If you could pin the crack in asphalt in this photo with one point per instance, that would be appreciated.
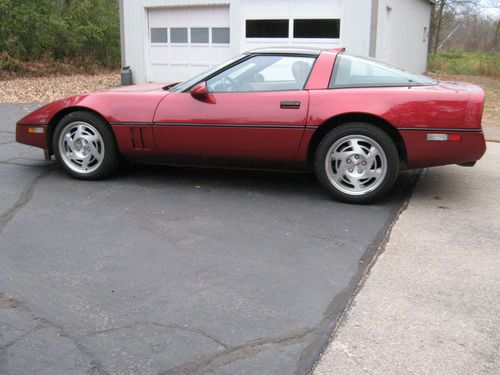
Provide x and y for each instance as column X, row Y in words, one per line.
column 96, row 367
column 246, row 350
column 333, row 318
column 9, row 162
column 20, row 337
column 7, row 132
column 4, row 348
column 170, row 326
column 319, row 336
column 193, row 330
column 23, row 199
column 7, row 143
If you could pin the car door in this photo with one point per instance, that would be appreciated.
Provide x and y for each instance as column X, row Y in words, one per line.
column 254, row 111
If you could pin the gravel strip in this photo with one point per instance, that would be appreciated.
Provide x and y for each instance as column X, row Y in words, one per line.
column 46, row 89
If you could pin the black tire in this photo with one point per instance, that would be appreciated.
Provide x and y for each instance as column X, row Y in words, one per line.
column 104, row 146
column 336, row 176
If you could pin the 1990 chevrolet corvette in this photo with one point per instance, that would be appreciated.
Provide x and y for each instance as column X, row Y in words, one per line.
column 355, row 121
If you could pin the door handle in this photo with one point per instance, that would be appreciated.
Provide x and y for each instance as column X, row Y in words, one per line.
column 290, row 105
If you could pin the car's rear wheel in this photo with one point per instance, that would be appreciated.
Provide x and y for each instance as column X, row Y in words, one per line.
column 357, row 163
column 85, row 146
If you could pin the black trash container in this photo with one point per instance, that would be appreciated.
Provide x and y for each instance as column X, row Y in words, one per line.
column 126, row 76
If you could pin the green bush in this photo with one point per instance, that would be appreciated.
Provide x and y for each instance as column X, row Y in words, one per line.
column 468, row 63
column 8, row 63
column 79, row 31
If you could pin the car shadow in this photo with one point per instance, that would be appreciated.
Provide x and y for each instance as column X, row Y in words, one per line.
column 273, row 183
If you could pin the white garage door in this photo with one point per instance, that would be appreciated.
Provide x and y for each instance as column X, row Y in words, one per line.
column 185, row 41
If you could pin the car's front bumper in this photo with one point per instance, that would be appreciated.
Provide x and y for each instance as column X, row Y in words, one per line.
column 33, row 134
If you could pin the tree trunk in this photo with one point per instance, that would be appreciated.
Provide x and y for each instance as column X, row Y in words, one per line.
column 439, row 21
column 496, row 41
column 430, row 39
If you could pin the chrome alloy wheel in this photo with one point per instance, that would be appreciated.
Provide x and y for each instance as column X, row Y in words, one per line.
column 81, row 147
column 356, row 165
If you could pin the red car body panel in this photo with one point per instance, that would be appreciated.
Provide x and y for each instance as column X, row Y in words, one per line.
column 319, row 79
column 254, row 128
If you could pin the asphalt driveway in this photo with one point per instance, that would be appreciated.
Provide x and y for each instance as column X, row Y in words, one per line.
column 172, row 270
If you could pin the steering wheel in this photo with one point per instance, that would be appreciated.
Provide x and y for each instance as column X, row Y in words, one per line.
column 233, row 86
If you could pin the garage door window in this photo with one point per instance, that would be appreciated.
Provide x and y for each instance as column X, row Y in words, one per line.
column 179, row 35
column 267, row 28
column 159, row 35
column 220, row 35
column 199, row 35
column 316, row 28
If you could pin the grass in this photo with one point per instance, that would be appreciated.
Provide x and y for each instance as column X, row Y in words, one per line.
column 465, row 63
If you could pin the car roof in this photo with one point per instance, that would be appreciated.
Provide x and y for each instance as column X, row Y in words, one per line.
column 291, row 50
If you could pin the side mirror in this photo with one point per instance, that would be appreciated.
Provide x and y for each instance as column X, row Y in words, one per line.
column 199, row 91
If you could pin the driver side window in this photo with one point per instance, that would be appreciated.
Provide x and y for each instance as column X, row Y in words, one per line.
column 264, row 73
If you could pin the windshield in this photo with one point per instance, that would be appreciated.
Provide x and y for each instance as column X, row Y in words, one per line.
column 353, row 71
column 203, row 76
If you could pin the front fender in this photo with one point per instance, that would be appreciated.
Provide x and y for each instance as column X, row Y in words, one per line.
column 36, row 127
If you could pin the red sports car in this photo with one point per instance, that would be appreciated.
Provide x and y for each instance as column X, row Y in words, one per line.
column 355, row 121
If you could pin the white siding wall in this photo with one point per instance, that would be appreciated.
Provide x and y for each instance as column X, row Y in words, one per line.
column 399, row 33
column 400, row 38
column 355, row 27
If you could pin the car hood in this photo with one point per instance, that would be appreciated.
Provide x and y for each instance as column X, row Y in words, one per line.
column 143, row 88
column 459, row 86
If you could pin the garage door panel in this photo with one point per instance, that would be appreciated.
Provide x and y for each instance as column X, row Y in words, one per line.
column 158, row 17
column 199, row 16
column 198, row 53
column 198, row 69
column 176, row 71
column 160, row 72
column 179, row 54
column 159, row 55
column 220, row 54
column 177, row 17
column 219, row 16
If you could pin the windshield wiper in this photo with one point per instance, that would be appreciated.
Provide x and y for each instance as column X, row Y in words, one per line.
column 171, row 85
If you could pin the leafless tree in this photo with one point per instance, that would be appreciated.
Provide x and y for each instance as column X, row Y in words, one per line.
column 465, row 24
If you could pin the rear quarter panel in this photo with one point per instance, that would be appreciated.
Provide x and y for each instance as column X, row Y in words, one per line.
column 415, row 112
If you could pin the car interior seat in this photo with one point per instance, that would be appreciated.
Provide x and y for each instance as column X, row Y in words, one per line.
column 300, row 70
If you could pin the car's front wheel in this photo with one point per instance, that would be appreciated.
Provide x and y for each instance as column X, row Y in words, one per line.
column 357, row 163
column 85, row 146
